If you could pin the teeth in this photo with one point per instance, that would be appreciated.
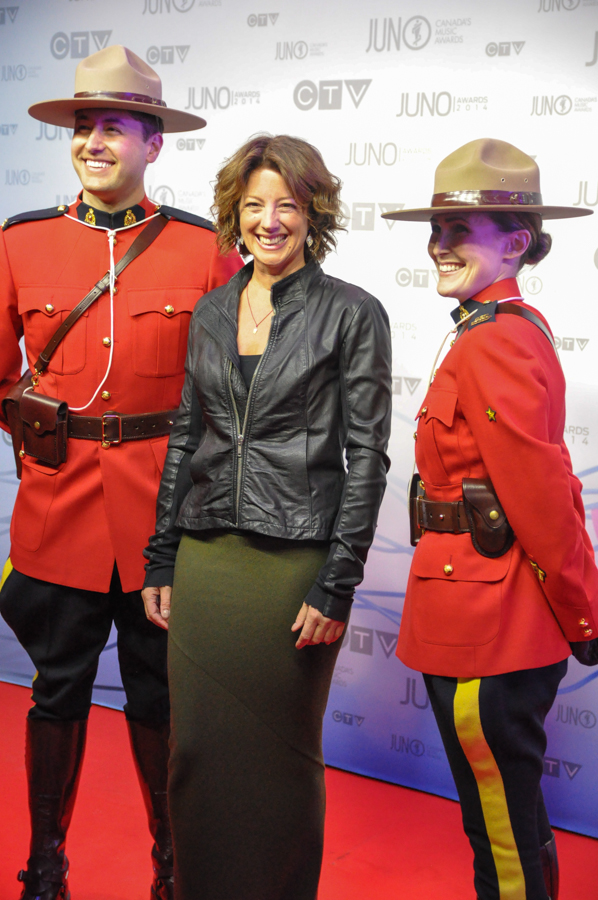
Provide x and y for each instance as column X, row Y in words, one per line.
column 449, row 267
column 271, row 241
column 96, row 164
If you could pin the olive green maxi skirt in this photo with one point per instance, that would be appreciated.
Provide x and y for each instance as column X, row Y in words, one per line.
column 246, row 781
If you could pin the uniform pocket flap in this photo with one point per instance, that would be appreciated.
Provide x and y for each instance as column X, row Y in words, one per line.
column 168, row 302
column 50, row 299
column 439, row 405
column 452, row 557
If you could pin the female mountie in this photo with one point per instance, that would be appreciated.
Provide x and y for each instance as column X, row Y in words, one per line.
column 503, row 577
column 288, row 378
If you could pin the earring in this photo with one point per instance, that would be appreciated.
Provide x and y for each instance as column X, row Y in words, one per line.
column 309, row 241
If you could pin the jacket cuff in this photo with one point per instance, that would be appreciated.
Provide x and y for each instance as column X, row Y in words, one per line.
column 329, row 605
column 159, row 576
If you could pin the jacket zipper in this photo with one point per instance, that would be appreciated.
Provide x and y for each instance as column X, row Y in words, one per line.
column 241, row 431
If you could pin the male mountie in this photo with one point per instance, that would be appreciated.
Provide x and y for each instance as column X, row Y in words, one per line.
column 84, row 511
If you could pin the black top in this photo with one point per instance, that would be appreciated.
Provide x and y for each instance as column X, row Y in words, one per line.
column 248, row 366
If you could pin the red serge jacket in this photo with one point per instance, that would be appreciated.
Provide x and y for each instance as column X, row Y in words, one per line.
column 70, row 524
column 496, row 409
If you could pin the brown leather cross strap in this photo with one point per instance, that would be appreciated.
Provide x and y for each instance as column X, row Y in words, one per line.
column 515, row 310
column 112, row 428
column 436, row 515
column 141, row 243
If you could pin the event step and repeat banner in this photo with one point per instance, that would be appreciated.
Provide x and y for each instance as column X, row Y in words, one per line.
column 385, row 90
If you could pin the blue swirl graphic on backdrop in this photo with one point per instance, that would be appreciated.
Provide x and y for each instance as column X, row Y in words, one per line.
column 578, row 684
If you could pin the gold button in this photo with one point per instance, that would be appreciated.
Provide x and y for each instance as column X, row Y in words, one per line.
column 415, row 435
column 451, row 344
column 448, row 569
column 106, row 395
column 422, row 485
column 169, row 309
column 424, row 411
column 21, row 453
column 62, row 208
column 588, row 632
column 583, row 622
column 105, row 445
column 36, row 425
column 106, row 342
column 49, row 308
column 115, row 291
column 494, row 514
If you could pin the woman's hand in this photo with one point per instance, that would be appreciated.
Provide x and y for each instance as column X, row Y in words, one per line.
column 315, row 628
column 157, row 605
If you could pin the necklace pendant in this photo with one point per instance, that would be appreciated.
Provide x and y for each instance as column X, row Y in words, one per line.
column 255, row 330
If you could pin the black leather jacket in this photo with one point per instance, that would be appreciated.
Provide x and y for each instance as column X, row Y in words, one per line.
column 272, row 459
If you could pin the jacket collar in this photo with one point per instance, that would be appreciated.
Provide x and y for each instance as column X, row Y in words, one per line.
column 508, row 288
column 121, row 219
column 219, row 315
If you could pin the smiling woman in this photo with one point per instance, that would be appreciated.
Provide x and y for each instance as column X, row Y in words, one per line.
column 268, row 504
column 503, row 576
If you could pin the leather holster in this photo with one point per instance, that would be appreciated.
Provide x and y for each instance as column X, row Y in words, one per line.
column 44, row 423
column 491, row 533
column 10, row 410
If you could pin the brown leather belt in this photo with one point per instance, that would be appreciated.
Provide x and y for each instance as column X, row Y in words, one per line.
column 434, row 515
column 112, row 428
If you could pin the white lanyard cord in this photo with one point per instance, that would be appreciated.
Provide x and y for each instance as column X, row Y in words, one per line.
column 111, row 234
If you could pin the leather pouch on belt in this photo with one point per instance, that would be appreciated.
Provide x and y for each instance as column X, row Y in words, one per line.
column 415, row 490
column 491, row 533
column 44, row 427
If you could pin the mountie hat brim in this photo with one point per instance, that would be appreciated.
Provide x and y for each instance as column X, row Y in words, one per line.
column 547, row 212
column 63, row 112
column 487, row 175
column 115, row 78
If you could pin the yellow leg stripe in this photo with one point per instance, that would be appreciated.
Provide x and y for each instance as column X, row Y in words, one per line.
column 5, row 572
column 511, row 881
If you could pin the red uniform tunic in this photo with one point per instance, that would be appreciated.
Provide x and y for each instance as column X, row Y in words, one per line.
column 496, row 409
column 70, row 524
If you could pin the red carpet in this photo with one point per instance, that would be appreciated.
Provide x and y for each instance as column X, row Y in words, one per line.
column 382, row 842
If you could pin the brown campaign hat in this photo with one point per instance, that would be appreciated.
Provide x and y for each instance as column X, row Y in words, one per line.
column 487, row 176
column 115, row 78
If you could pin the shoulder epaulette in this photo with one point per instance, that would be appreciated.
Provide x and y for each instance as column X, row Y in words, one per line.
column 35, row 215
column 182, row 215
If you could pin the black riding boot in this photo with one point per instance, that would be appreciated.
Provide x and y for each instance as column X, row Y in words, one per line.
column 149, row 742
column 53, row 755
column 550, row 868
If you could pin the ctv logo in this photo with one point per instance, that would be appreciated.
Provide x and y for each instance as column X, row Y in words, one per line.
column 262, row 19
column 78, row 45
column 329, row 94
column 411, row 384
column 166, row 55
column 190, row 143
column 552, row 767
column 348, row 718
column 8, row 14
column 363, row 216
column 361, row 640
column 503, row 48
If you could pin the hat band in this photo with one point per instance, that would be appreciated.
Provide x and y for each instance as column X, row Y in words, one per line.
column 119, row 95
column 487, row 198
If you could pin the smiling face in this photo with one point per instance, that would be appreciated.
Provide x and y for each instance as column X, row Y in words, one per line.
column 273, row 225
column 471, row 253
column 110, row 155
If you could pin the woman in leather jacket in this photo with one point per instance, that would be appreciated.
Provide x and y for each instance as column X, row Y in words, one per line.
column 275, row 472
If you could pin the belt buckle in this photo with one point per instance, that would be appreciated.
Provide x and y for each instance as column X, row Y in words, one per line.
column 106, row 442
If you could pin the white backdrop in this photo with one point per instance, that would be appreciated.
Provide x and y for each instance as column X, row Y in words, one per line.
column 385, row 89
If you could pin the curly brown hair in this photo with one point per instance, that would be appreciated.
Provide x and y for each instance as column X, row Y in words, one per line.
column 309, row 181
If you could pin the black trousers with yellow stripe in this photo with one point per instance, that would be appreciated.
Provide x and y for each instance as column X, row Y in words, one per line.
column 493, row 733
